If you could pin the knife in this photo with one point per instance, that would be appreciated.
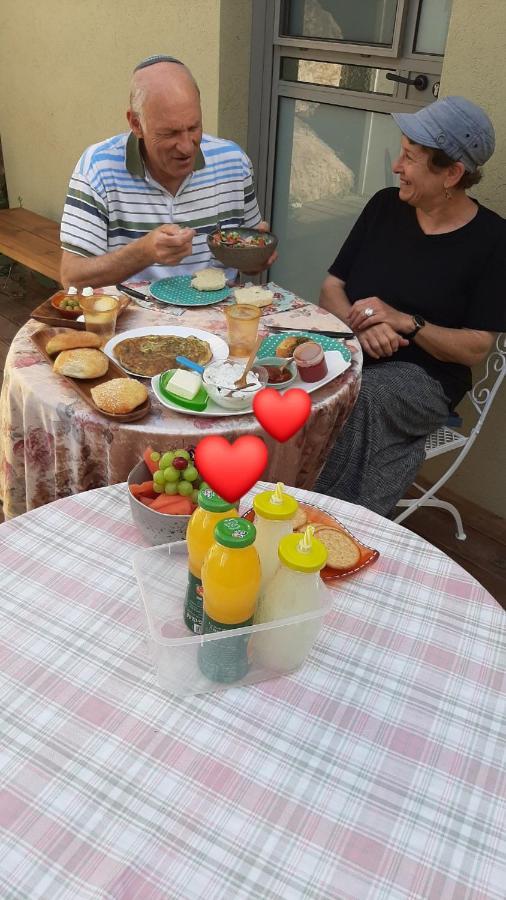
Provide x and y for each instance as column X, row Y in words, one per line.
column 279, row 329
column 139, row 298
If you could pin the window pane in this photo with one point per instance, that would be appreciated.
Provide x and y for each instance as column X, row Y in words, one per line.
column 329, row 161
column 432, row 28
column 339, row 75
column 358, row 21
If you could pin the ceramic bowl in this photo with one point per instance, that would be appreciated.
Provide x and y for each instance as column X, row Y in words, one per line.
column 65, row 313
column 155, row 527
column 246, row 259
column 239, row 400
column 279, row 364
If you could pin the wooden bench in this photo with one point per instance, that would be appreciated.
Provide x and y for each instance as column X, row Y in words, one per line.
column 32, row 240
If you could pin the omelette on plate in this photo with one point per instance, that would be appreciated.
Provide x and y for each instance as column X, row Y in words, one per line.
column 154, row 353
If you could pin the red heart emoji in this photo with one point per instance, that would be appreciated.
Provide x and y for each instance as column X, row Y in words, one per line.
column 231, row 469
column 282, row 414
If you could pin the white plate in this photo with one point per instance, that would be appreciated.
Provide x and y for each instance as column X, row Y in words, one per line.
column 218, row 346
column 335, row 363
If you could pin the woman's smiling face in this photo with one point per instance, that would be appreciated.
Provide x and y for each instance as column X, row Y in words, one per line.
column 419, row 185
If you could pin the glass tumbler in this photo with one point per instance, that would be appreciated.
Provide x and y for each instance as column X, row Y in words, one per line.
column 100, row 313
column 242, row 325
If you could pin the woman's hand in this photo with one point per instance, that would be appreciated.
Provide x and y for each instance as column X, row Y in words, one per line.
column 380, row 341
column 373, row 311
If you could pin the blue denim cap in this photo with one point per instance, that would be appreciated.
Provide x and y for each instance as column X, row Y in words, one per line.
column 455, row 125
column 152, row 60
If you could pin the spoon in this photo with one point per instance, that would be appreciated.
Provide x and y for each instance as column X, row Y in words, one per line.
column 241, row 382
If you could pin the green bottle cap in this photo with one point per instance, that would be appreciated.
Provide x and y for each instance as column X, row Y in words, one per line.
column 210, row 501
column 235, row 533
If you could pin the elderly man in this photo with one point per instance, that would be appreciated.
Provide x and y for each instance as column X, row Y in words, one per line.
column 141, row 204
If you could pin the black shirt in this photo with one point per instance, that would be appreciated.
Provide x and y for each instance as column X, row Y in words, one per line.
column 457, row 279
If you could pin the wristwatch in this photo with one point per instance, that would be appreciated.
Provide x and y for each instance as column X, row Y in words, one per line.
column 418, row 322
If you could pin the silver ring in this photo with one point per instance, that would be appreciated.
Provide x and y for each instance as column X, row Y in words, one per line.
column 368, row 311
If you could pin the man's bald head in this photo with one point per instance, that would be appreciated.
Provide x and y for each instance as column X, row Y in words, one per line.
column 165, row 115
column 157, row 81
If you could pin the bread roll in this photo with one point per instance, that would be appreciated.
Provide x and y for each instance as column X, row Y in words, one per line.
column 209, row 280
column 81, row 363
column 286, row 347
column 120, row 395
column 70, row 340
column 254, row 296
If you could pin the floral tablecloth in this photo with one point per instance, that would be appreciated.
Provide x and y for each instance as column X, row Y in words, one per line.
column 53, row 444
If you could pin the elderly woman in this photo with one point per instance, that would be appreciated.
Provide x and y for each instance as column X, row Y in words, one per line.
column 421, row 279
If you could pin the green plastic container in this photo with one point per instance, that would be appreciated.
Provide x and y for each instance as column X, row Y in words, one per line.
column 198, row 403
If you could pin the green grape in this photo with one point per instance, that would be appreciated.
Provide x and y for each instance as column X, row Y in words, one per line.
column 166, row 460
column 184, row 488
column 195, row 496
column 155, row 456
column 158, row 488
column 190, row 473
column 171, row 474
column 158, row 477
column 170, row 487
column 183, row 453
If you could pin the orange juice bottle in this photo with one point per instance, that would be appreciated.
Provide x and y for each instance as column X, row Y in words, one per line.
column 231, row 580
column 199, row 538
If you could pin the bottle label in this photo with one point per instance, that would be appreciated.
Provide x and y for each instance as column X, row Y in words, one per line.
column 227, row 660
column 193, row 607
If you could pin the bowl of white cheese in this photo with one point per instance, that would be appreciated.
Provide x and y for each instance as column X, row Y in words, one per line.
column 219, row 380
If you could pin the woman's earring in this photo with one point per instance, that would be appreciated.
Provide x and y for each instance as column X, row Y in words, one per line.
column 448, row 196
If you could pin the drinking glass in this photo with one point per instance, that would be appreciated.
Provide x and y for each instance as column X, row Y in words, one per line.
column 242, row 325
column 100, row 313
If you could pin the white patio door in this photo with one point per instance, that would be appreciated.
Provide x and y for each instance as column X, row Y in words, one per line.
column 324, row 142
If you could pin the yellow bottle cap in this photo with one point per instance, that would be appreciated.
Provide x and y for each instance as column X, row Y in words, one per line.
column 304, row 553
column 275, row 504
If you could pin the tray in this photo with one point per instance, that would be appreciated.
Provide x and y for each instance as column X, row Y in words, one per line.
column 317, row 516
column 83, row 388
column 48, row 315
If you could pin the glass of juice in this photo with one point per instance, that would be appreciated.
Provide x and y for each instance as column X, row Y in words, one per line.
column 100, row 313
column 242, row 325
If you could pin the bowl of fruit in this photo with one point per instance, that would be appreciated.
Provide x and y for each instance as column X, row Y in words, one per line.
column 162, row 491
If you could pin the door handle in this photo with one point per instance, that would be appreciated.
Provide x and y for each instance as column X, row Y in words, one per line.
column 421, row 82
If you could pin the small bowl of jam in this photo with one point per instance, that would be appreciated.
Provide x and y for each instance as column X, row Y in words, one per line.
column 310, row 360
column 280, row 372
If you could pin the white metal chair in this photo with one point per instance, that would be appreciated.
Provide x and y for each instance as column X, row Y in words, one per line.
column 446, row 439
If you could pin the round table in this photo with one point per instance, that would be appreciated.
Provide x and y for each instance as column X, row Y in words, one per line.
column 376, row 770
column 53, row 444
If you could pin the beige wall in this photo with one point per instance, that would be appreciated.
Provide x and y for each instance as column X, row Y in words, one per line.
column 65, row 67
column 474, row 67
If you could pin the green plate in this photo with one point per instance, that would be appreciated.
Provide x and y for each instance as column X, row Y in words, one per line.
column 198, row 403
column 178, row 292
column 269, row 344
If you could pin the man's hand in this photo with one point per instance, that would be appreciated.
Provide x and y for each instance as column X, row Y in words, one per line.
column 380, row 341
column 262, row 226
column 359, row 317
column 168, row 244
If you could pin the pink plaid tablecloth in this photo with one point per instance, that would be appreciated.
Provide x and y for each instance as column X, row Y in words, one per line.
column 53, row 444
column 375, row 771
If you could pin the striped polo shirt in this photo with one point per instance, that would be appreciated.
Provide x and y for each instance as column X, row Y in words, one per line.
column 112, row 200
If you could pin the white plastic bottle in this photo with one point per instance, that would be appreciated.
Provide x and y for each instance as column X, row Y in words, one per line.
column 274, row 514
column 295, row 589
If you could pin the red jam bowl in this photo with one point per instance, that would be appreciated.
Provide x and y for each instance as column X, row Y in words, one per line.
column 310, row 360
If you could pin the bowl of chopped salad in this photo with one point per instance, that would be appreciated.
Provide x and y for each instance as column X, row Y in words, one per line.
column 246, row 249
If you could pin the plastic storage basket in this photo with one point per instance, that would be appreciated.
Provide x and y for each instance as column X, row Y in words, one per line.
column 273, row 649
